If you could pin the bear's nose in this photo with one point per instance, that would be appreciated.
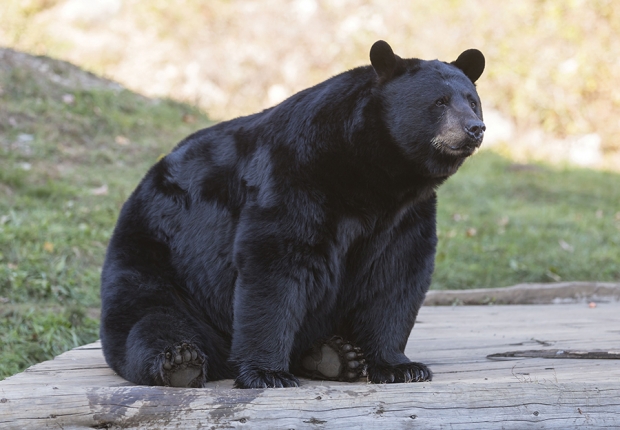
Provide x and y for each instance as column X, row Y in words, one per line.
column 475, row 130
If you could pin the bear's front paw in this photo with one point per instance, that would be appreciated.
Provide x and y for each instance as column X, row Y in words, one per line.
column 406, row 372
column 261, row 378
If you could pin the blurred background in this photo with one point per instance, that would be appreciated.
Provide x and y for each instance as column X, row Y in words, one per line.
column 93, row 92
column 549, row 88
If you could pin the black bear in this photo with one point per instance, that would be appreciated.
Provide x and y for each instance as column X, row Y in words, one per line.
column 296, row 241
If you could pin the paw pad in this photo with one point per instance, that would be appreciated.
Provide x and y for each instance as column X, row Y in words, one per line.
column 334, row 360
column 184, row 365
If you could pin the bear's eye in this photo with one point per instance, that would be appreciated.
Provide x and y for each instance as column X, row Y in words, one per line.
column 473, row 105
column 442, row 101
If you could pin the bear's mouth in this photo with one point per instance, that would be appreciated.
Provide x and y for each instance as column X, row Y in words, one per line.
column 462, row 149
column 468, row 148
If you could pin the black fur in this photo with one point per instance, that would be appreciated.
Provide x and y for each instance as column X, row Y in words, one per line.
column 257, row 236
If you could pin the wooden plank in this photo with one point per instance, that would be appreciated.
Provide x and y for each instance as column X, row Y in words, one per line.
column 529, row 294
column 77, row 389
column 429, row 405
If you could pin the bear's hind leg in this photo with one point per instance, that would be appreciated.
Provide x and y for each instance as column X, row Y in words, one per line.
column 163, row 349
column 333, row 359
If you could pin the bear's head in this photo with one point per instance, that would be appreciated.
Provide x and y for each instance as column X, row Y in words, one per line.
column 431, row 108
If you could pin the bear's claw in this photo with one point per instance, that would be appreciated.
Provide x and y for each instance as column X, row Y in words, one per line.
column 405, row 372
column 259, row 378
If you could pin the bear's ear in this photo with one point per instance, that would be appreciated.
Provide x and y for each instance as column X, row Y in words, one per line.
column 383, row 60
column 471, row 62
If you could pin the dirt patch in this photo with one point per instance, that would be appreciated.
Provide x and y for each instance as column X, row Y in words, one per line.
column 51, row 73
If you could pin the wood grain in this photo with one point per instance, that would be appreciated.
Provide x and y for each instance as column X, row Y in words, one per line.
column 78, row 390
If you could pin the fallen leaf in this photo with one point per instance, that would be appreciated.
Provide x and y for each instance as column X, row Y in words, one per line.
column 503, row 222
column 68, row 99
column 101, row 191
column 48, row 246
column 189, row 119
column 550, row 273
column 471, row 232
column 566, row 246
column 122, row 140
column 451, row 234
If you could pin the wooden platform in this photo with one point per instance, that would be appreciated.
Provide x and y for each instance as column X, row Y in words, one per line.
column 469, row 391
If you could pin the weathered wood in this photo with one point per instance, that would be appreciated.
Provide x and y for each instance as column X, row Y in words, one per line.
column 434, row 405
column 528, row 294
column 558, row 353
column 77, row 389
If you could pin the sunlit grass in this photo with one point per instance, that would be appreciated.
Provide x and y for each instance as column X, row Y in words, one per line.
column 502, row 223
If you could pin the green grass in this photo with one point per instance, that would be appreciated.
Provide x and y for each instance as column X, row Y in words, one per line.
column 32, row 334
column 61, row 149
column 69, row 158
column 530, row 223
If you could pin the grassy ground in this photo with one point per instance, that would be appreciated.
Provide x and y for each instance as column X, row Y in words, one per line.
column 72, row 148
column 69, row 158
column 502, row 223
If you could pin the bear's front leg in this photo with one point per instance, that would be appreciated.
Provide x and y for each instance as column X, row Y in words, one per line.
column 279, row 276
column 384, row 297
column 383, row 339
column 267, row 312
column 265, row 323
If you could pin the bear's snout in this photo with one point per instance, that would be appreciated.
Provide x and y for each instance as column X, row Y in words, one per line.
column 475, row 130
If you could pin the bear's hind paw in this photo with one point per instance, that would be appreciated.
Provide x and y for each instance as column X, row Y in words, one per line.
column 333, row 360
column 182, row 365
